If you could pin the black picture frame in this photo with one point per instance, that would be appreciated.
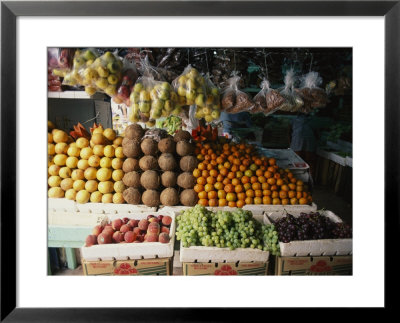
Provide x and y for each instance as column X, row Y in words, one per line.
column 10, row 10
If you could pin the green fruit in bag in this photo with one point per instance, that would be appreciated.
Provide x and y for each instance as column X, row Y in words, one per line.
column 144, row 107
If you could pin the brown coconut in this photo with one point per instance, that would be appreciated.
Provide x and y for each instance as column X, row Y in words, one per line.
column 134, row 131
column 130, row 165
column 132, row 195
column 168, row 179
column 188, row 163
column 150, row 180
column 184, row 148
column 186, row 180
column 167, row 162
column 182, row 135
column 167, row 145
column 151, row 198
column 132, row 179
column 169, row 196
column 131, row 148
column 188, row 197
column 149, row 147
column 148, row 163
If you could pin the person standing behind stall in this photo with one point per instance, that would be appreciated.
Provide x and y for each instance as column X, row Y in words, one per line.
column 303, row 140
column 235, row 120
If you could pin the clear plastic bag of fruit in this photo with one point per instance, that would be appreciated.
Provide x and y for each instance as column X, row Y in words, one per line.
column 60, row 60
column 312, row 95
column 189, row 86
column 267, row 100
column 208, row 106
column 151, row 99
column 103, row 75
column 234, row 100
column 293, row 101
column 129, row 77
column 83, row 58
column 140, row 102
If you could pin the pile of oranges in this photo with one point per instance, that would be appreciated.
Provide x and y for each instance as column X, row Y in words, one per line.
column 234, row 175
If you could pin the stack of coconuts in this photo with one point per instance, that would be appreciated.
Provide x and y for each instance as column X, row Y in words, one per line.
column 158, row 172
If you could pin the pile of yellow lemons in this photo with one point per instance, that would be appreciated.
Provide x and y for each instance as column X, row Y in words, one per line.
column 84, row 170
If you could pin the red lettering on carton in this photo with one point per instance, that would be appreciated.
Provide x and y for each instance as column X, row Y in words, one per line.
column 151, row 263
column 200, row 266
column 99, row 265
column 297, row 262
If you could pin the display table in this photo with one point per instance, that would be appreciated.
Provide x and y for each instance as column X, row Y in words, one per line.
column 69, row 223
column 335, row 166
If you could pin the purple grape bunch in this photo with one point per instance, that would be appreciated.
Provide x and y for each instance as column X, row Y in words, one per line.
column 310, row 226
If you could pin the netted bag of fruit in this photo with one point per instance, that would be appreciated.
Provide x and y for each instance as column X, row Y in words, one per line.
column 129, row 77
column 312, row 95
column 189, row 85
column 234, row 100
column 208, row 105
column 293, row 101
column 83, row 58
column 104, row 74
column 267, row 100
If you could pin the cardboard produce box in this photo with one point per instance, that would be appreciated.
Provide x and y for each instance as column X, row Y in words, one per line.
column 133, row 251
column 321, row 247
column 157, row 266
column 201, row 260
column 225, row 269
column 336, row 265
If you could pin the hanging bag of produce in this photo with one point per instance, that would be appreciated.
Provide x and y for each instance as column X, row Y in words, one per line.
column 60, row 60
column 81, row 61
column 208, row 105
column 293, row 101
column 129, row 77
column 104, row 74
column 151, row 99
column 312, row 95
column 234, row 100
column 267, row 100
column 190, row 85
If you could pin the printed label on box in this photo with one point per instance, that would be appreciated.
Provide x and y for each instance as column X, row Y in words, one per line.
column 224, row 269
column 128, row 267
column 336, row 265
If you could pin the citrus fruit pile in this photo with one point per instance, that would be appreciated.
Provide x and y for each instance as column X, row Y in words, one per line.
column 86, row 169
column 234, row 175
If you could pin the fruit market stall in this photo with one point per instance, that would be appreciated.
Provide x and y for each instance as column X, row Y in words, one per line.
column 141, row 175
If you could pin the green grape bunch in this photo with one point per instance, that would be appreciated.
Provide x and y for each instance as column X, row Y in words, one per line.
column 199, row 226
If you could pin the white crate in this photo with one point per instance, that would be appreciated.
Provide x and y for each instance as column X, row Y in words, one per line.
column 257, row 208
column 111, row 208
column 321, row 247
column 124, row 251
column 215, row 254
column 61, row 205
column 75, row 218
column 258, row 213
column 66, row 205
